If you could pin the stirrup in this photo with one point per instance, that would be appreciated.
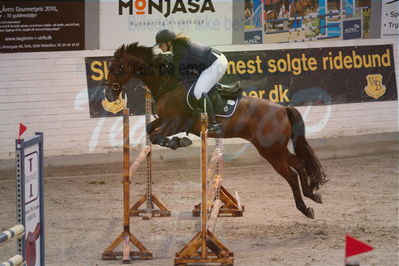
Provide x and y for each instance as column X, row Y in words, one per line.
column 215, row 128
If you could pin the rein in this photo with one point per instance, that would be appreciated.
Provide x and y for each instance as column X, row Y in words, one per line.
column 163, row 90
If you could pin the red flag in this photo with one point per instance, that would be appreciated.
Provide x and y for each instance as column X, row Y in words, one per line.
column 22, row 129
column 354, row 247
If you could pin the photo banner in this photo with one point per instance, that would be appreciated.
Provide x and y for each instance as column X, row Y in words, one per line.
column 299, row 21
column 33, row 26
column 295, row 77
column 253, row 22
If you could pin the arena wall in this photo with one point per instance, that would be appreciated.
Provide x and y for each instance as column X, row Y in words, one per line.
column 47, row 92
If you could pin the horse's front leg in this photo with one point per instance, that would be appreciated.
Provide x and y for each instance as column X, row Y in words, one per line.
column 150, row 127
column 160, row 135
column 155, row 130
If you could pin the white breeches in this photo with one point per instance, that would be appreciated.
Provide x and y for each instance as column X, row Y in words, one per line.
column 210, row 76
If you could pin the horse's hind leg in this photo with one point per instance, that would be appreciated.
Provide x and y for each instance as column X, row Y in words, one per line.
column 299, row 166
column 279, row 161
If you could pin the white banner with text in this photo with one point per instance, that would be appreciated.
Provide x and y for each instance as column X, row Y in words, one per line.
column 205, row 21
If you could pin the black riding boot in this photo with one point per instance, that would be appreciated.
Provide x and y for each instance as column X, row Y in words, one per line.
column 213, row 125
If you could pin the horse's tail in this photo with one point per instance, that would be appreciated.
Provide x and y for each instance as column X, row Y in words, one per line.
column 304, row 151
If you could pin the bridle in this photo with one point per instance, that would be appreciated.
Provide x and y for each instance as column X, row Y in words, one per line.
column 116, row 86
column 162, row 89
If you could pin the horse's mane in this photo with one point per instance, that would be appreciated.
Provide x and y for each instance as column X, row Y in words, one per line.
column 134, row 49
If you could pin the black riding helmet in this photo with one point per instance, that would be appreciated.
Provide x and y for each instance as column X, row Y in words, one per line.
column 165, row 36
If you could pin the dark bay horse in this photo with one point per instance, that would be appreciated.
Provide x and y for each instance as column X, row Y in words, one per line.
column 268, row 126
column 300, row 7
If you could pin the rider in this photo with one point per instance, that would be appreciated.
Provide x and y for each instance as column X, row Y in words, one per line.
column 195, row 61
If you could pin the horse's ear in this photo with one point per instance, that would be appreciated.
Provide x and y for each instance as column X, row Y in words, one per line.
column 118, row 53
column 130, row 48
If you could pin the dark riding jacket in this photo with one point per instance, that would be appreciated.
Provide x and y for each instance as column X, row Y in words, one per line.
column 191, row 59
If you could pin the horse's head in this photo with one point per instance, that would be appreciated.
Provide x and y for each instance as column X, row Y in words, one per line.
column 128, row 61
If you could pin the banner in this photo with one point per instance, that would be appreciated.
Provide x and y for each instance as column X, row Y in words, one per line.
column 298, row 21
column 292, row 21
column 295, row 77
column 33, row 26
column 390, row 19
column 318, row 76
column 205, row 21
column 253, row 12
column 352, row 29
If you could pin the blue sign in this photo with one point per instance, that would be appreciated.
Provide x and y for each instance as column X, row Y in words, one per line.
column 334, row 29
column 352, row 29
column 253, row 37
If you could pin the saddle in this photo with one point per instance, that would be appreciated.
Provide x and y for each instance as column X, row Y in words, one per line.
column 225, row 98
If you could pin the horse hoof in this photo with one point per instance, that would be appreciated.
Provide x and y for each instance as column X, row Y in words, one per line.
column 184, row 142
column 310, row 213
column 318, row 198
column 172, row 144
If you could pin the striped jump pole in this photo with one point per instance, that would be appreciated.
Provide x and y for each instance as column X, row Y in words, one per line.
column 310, row 16
column 17, row 231
column 14, row 261
column 304, row 28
